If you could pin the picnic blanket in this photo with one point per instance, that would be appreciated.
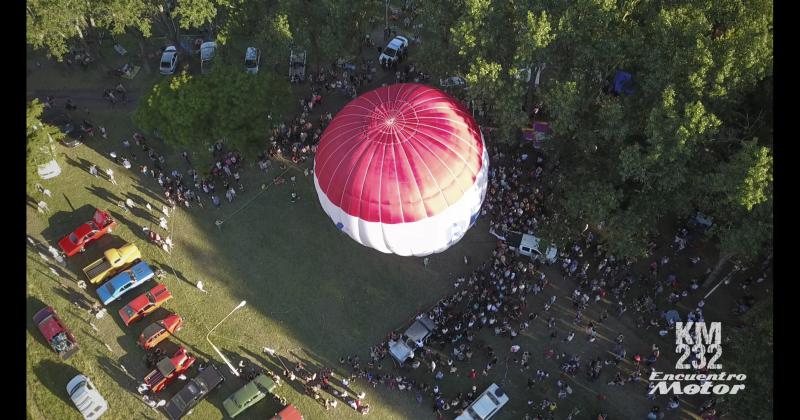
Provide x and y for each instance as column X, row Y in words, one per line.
column 133, row 74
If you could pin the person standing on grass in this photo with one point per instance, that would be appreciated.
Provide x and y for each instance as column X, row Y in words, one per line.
column 110, row 173
column 93, row 170
column 43, row 207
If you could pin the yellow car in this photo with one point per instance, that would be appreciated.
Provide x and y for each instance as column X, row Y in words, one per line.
column 114, row 260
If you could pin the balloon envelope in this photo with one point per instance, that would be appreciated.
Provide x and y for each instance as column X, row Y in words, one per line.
column 402, row 169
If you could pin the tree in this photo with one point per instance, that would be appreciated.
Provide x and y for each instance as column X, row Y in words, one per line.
column 51, row 24
column 739, row 195
column 225, row 104
column 40, row 139
column 749, row 352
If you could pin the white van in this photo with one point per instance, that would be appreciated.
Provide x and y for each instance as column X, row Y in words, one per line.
column 486, row 405
column 86, row 397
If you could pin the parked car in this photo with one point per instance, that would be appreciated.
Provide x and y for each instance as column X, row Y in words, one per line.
column 208, row 50
column 486, row 405
column 167, row 369
column 113, row 260
column 101, row 223
column 453, row 81
column 249, row 395
column 396, row 48
column 124, row 282
column 169, row 60
column 85, row 396
column 56, row 333
column 144, row 304
column 159, row 331
column 252, row 60
column 289, row 412
column 528, row 245
column 195, row 390
column 413, row 338
column 297, row 65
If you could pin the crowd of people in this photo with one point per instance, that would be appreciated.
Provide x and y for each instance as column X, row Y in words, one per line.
column 509, row 295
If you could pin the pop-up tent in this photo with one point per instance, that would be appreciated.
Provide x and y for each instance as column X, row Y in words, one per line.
column 623, row 83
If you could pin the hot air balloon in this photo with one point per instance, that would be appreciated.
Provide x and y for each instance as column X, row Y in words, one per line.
column 402, row 169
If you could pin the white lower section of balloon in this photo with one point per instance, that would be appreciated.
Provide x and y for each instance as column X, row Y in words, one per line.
column 423, row 237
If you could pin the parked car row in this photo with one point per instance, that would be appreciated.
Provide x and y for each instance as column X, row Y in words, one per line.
column 208, row 50
column 119, row 271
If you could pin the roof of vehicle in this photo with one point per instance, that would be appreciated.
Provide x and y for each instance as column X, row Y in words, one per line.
column 50, row 326
column 251, row 53
column 261, row 384
column 207, row 50
column 398, row 42
column 489, row 401
column 139, row 271
column 420, row 329
column 198, row 386
column 400, row 350
column 88, row 401
column 289, row 412
column 83, row 230
column 42, row 314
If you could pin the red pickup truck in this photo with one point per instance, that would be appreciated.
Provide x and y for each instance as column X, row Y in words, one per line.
column 56, row 333
column 167, row 369
column 101, row 223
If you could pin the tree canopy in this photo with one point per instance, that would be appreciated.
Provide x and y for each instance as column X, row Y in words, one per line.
column 41, row 138
column 225, row 104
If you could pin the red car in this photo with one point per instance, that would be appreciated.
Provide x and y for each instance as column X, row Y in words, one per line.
column 160, row 330
column 56, row 333
column 289, row 412
column 145, row 303
column 167, row 369
column 101, row 223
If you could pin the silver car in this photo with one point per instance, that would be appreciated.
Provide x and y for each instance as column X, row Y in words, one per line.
column 169, row 60
column 86, row 397
column 252, row 59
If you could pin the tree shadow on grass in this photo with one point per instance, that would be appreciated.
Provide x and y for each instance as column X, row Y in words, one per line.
column 55, row 377
column 62, row 223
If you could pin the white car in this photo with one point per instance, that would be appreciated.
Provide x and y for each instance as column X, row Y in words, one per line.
column 86, row 397
column 486, row 405
column 208, row 50
column 392, row 52
column 252, row 59
column 169, row 60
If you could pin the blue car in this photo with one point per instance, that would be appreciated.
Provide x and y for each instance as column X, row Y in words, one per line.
column 124, row 281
